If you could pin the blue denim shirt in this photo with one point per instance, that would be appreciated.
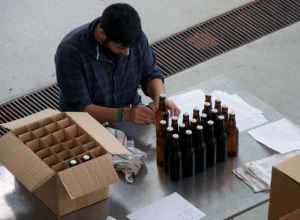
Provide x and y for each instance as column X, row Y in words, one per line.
column 88, row 73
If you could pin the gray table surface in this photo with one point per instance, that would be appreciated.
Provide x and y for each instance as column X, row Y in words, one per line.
column 217, row 192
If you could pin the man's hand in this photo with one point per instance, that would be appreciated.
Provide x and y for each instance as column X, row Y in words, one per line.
column 169, row 105
column 172, row 107
column 139, row 115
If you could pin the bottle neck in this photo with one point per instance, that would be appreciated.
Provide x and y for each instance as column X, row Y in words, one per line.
column 232, row 122
column 189, row 142
column 200, row 137
column 220, row 126
column 210, row 131
column 196, row 115
column 175, row 146
column 162, row 104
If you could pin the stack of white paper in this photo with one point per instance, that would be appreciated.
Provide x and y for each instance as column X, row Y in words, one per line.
column 282, row 136
column 173, row 207
column 257, row 174
column 247, row 116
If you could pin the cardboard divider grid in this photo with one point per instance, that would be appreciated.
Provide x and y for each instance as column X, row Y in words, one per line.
column 40, row 132
column 59, row 117
column 74, row 131
column 57, row 148
column 44, row 153
column 46, row 122
column 65, row 155
column 34, row 145
column 51, row 160
column 97, row 152
column 59, row 167
column 21, row 130
column 48, row 141
column 76, row 151
column 83, row 139
column 33, row 126
column 25, row 137
column 70, row 144
column 88, row 146
column 66, row 122
column 53, row 127
column 57, row 140
column 61, row 136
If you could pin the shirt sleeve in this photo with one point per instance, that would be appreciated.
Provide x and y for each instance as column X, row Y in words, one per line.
column 150, row 69
column 74, row 94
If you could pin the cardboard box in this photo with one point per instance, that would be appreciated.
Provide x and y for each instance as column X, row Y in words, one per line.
column 285, row 188
column 37, row 151
column 295, row 215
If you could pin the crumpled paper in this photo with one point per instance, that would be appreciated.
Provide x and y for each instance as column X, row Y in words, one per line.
column 129, row 165
column 257, row 174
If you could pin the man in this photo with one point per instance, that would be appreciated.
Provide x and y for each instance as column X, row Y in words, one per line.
column 100, row 66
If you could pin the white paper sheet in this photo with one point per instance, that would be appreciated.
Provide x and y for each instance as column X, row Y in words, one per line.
column 247, row 116
column 245, row 121
column 173, row 207
column 282, row 136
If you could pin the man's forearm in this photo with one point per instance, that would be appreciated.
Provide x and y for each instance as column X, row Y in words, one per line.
column 154, row 88
column 102, row 114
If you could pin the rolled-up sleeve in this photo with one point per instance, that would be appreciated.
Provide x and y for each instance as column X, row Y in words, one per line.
column 71, row 81
column 150, row 69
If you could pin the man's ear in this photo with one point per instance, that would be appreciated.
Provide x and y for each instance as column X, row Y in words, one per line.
column 100, row 34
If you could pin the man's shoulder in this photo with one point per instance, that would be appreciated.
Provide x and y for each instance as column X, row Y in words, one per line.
column 142, row 43
column 75, row 38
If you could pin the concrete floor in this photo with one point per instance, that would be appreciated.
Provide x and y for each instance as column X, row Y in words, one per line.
column 31, row 30
column 262, row 67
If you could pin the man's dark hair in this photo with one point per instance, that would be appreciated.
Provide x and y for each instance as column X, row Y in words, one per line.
column 121, row 24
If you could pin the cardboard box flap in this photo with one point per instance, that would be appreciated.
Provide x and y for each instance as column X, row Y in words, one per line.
column 98, row 132
column 28, row 168
column 290, row 167
column 27, row 120
column 88, row 177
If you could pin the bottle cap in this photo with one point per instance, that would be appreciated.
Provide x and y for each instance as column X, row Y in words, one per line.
column 206, row 104
column 86, row 157
column 193, row 120
column 170, row 129
column 199, row 127
column 196, row 109
column 105, row 124
column 163, row 122
column 214, row 110
column 163, row 95
column 210, row 122
column 73, row 162
column 203, row 115
column 176, row 136
column 188, row 132
column 186, row 114
column 182, row 125
column 174, row 118
column 221, row 117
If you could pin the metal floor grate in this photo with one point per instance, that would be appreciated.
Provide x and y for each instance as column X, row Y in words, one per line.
column 187, row 48
column 224, row 33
